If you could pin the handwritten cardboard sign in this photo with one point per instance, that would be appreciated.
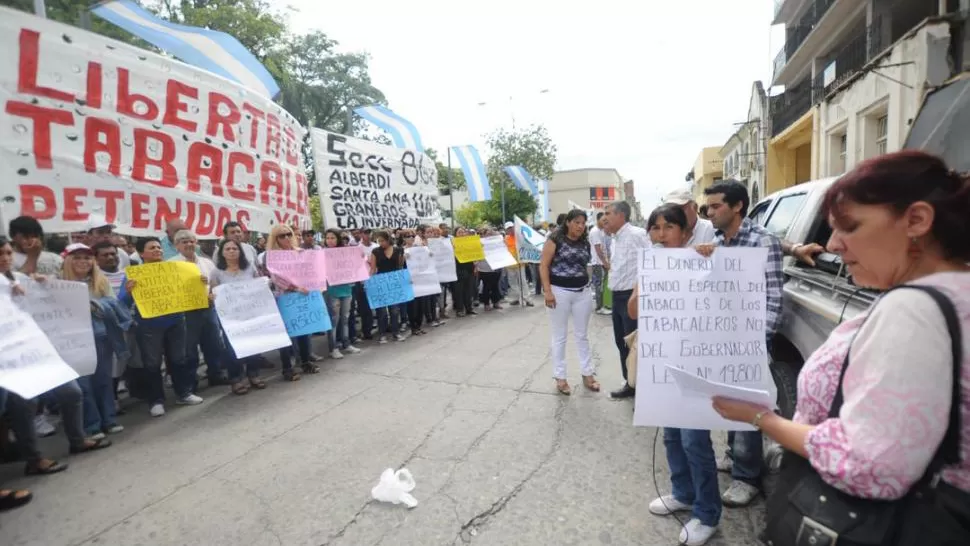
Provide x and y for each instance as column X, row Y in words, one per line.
column 304, row 314
column 165, row 288
column 345, row 265
column 304, row 268
column 468, row 249
column 249, row 316
column 386, row 289
column 424, row 275
column 62, row 310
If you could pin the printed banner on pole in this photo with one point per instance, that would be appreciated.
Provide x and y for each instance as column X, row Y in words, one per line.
column 96, row 126
column 386, row 289
column 444, row 259
column 528, row 242
column 705, row 316
column 468, row 249
column 62, row 310
column 29, row 363
column 345, row 266
column 165, row 288
column 497, row 255
column 424, row 274
column 249, row 316
column 304, row 314
column 306, row 269
column 363, row 184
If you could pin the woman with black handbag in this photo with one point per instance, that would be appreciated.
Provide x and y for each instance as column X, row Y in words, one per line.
column 878, row 452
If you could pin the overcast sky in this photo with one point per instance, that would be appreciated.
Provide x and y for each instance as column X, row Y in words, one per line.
column 637, row 86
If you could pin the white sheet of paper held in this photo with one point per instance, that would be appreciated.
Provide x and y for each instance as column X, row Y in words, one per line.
column 695, row 385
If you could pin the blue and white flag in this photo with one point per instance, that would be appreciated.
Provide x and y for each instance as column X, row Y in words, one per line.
column 403, row 132
column 542, row 201
column 210, row 50
column 522, row 179
column 474, row 170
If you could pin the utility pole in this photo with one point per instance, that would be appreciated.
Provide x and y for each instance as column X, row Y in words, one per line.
column 40, row 9
column 451, row 194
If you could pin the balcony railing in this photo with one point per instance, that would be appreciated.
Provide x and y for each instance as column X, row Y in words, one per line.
column 780, row 60
column 796, row 34
column 789, row 106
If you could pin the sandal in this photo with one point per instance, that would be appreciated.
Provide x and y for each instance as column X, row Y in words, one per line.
column 310, row 368
column 52, row 467
column 239, row 388
column 590, row 382
column 14, row 498
column 291, row 375
column 94, row 445
column 563, row 387
column 257, row 383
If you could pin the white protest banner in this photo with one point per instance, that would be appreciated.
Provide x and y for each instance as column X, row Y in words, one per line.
column 249, row 315
column 62, row 310
column 705, row 316
column 29, row 363
column 364, row 184
column 443, row 255
column 96, row 126
column 424, row 275
column 497, row 255
column 528, row 242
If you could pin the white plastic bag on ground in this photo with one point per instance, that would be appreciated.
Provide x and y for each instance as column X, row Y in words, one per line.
column 395, row 487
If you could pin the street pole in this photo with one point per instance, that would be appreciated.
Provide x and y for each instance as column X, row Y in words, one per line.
column 84, row 17
column 503, row 201
column 451, row 194
column 40, row 9
column 350, row 122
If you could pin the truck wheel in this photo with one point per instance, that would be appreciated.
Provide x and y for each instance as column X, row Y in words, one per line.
column 785, row 376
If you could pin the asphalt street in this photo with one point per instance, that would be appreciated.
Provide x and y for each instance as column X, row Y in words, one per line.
column 471, row 409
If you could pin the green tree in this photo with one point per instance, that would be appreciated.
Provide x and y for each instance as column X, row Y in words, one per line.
column 470, row 215
column 529, row 147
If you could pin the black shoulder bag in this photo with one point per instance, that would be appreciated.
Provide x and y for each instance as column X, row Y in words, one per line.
column 806, row 511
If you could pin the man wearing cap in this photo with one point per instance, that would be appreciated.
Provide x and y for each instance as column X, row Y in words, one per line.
column 100, row 230
column 701, row 229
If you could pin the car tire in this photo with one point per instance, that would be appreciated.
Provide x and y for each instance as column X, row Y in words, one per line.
column 785, row 376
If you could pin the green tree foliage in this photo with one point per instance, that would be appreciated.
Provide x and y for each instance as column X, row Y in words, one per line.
column 470, row 215
column 530, row 147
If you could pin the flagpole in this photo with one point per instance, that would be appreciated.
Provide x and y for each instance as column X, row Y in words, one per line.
column 451, row 194
column 503, row 198
column 350, row 121
column 40, row 9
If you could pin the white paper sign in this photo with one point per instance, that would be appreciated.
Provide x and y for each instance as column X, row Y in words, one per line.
column 29, row 363
column 705, row 316
column 497, row 255
column 250, row 317
column 443, row 255
column 424, row 275
column 364, row 184
column 691, row 385
column 62, row 310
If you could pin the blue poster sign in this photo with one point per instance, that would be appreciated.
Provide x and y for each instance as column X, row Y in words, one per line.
column 386, row 289
column 304, row 314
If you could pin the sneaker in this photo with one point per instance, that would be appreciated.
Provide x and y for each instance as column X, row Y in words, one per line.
column 96, row 436
column 43, row 426
column 350, row 349
column 114, row 429
column 529, row 304
column 399, row 337
column 696, row 533
column 436, row 323
column 725, row 463
column 739, row 494
column 336, row 354
column 382, row 340
column 604, row 311
column 514, row 302
column 667, row 505
column 157, row 410
column 190, row 400
column 122, row 386
column 315, row 357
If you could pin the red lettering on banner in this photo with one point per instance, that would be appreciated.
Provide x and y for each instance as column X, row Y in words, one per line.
column 72, row 204
column 43, row 118
column 272, row 134
column 164, row 213
column 169, row 177
column 240, row 159
column 205, row 160
column 127, row 101
column 257, row 115
column 270, row 177
column 30, row 194
column 140, row 211
column 301, row 194
column 282, row 218
column 292, row 157
column 111, row 199
column 175, row 90
column 102, row 136
column 217, row 118
column 287, row 187
column 207, row 219
column 94, row 85
column 27, row 69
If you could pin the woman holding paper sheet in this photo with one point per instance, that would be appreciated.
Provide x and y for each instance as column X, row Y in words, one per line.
column 339, row 300
column 232, row 266
column 690, row 454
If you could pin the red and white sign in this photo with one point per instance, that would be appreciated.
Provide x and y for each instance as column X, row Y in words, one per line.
column 89, row 125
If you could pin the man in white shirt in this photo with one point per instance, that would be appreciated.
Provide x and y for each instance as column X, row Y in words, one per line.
column 701, row 229
column 233, row 231
column 599, row 261
column 628, row 240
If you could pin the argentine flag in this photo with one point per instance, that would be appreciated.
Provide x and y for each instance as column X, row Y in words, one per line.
column 474, row 171
column 522, row 179
column 403, row 132
column 210, row 50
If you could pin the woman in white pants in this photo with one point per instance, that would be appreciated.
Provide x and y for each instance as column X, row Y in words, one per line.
column 565, row 283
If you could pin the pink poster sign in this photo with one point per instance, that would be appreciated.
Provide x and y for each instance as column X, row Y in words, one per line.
column 304, row 268
column 345, row 265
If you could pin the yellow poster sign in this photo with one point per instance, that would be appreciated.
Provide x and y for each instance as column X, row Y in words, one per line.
column 468, row 249
column 165, row 288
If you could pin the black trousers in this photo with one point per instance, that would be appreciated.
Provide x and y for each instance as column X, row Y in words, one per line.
column 465, row 289
column 490, row 289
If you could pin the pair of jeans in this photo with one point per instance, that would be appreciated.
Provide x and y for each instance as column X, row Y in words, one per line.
column 575, row 304
column 339, row 308
column 464, row 291
column 623, row 325
column 366, row 313
column 504, row 281
column 693, row 472
column 203, row 331
column 490, row 290
column 69, row 398
column 302, row 346
column 382, row 320
column 746, row 449
column 235, row 365
column 168, row 340
column 99, row 392
column 596, row 279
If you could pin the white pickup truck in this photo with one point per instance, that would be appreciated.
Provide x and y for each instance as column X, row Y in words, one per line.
column 816, row 298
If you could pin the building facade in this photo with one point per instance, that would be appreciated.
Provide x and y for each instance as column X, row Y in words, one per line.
column 589, row 188
column 708, row 169
column 744, row 153
column 854, row 74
